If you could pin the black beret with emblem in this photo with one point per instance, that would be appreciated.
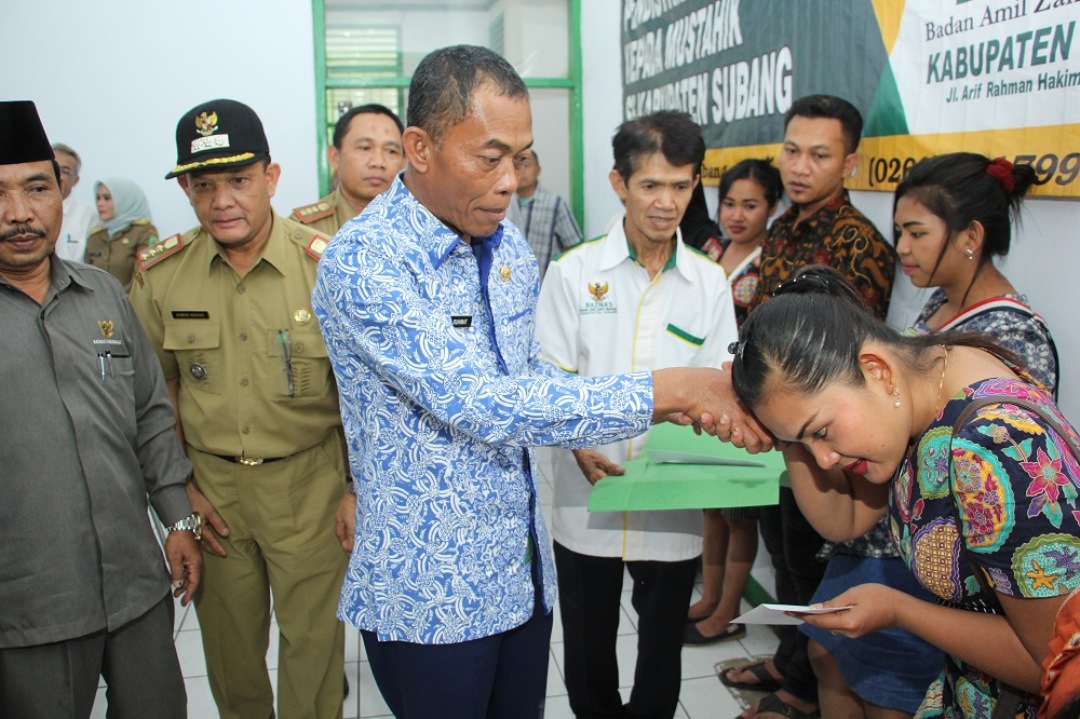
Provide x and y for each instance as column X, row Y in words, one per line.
column 218, row 135
column 22, row 138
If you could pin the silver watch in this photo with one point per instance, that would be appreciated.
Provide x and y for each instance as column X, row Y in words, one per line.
column 191, row 523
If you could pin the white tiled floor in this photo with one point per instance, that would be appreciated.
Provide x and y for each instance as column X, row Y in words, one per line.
column 702, row 694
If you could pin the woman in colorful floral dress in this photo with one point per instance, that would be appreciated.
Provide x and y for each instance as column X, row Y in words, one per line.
column 953, row 218
column 983, row 505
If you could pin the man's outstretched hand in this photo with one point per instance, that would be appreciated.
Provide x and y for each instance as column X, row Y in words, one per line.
column 704, row 397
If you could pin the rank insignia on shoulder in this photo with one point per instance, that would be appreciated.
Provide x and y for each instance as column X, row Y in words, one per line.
column 149, row 256
column 317, row 246
column 315, row 211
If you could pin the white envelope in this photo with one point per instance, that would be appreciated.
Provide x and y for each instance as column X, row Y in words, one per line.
column 775, row 614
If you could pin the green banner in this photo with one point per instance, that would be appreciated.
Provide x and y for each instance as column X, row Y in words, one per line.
column 998, row 77
column 737, row 66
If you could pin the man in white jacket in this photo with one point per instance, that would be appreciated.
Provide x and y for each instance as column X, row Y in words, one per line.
column 635, row 299
column 79, row 217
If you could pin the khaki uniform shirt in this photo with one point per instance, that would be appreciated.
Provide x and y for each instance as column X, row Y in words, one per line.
column 325, row 216
column 254, row 377
column 117, row 255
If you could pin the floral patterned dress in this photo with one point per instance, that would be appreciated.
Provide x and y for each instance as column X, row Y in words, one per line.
column 1022, row 332
column 743, row 279
column 1015, row 482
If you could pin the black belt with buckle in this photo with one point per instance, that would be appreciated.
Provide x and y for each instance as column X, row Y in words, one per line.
column 247, row 461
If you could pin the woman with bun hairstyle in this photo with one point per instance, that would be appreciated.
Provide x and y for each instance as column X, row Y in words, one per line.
column 953, row 216
column 750, row 192
column 967, row 455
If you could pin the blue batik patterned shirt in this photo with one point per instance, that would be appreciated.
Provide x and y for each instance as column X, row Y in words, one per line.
column 442, row 394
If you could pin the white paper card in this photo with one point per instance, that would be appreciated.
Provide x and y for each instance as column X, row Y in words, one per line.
column 775, row 614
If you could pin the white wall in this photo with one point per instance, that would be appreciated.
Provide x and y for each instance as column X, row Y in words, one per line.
column 111, row 79
column 601, row 60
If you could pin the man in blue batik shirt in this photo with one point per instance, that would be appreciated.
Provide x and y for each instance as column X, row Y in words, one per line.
column 426, row 303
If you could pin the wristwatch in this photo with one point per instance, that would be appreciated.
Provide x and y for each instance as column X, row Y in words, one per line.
column 191, row 523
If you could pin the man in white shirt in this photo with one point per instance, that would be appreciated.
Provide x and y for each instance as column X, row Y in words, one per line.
column 635, row 299
column 79, row 218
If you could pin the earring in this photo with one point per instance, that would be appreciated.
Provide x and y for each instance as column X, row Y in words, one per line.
column 970, row 253
column 896, row 397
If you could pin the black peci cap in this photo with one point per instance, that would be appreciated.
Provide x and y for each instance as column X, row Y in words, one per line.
column 22, row 138
column 217, row 135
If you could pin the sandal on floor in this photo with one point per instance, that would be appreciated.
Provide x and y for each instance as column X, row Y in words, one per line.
column 776, row 705
column 692, row 634
column 765, row 682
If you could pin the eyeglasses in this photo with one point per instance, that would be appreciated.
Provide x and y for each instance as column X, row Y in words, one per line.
column 286, row 345
column 523, row 162
column 67, row 171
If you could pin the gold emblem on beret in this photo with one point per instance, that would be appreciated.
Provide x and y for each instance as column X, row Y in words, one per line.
column 301, row 317
column 598, row 290
column 206, row 124
column 106, row 327
column 505, row 273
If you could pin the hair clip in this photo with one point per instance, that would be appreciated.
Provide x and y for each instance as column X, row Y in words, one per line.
column 802, row 282
column 736, row 348
column 1002, row 170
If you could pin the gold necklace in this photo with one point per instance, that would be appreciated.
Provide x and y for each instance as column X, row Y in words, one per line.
column 944, row 369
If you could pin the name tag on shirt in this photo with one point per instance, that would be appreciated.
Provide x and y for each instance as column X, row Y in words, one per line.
column 461, row 321
column 190, row 315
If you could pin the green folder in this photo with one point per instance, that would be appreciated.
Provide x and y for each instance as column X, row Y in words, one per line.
column 679, row 469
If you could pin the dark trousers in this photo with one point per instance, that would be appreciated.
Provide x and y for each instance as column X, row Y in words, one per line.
column 60, row 681
column 793, row 546
column 590, row 590
column 498, row 677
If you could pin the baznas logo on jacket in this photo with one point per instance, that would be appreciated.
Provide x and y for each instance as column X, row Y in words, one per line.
column 598, row 290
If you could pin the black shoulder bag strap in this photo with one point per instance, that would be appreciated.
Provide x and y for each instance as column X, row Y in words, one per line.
column 1011, row 700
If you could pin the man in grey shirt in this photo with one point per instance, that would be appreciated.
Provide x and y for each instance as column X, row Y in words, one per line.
column 541, row 215
column 88, row 440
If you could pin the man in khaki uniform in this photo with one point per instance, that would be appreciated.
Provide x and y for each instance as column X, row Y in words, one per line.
column 366, row 157
column 228, row 307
